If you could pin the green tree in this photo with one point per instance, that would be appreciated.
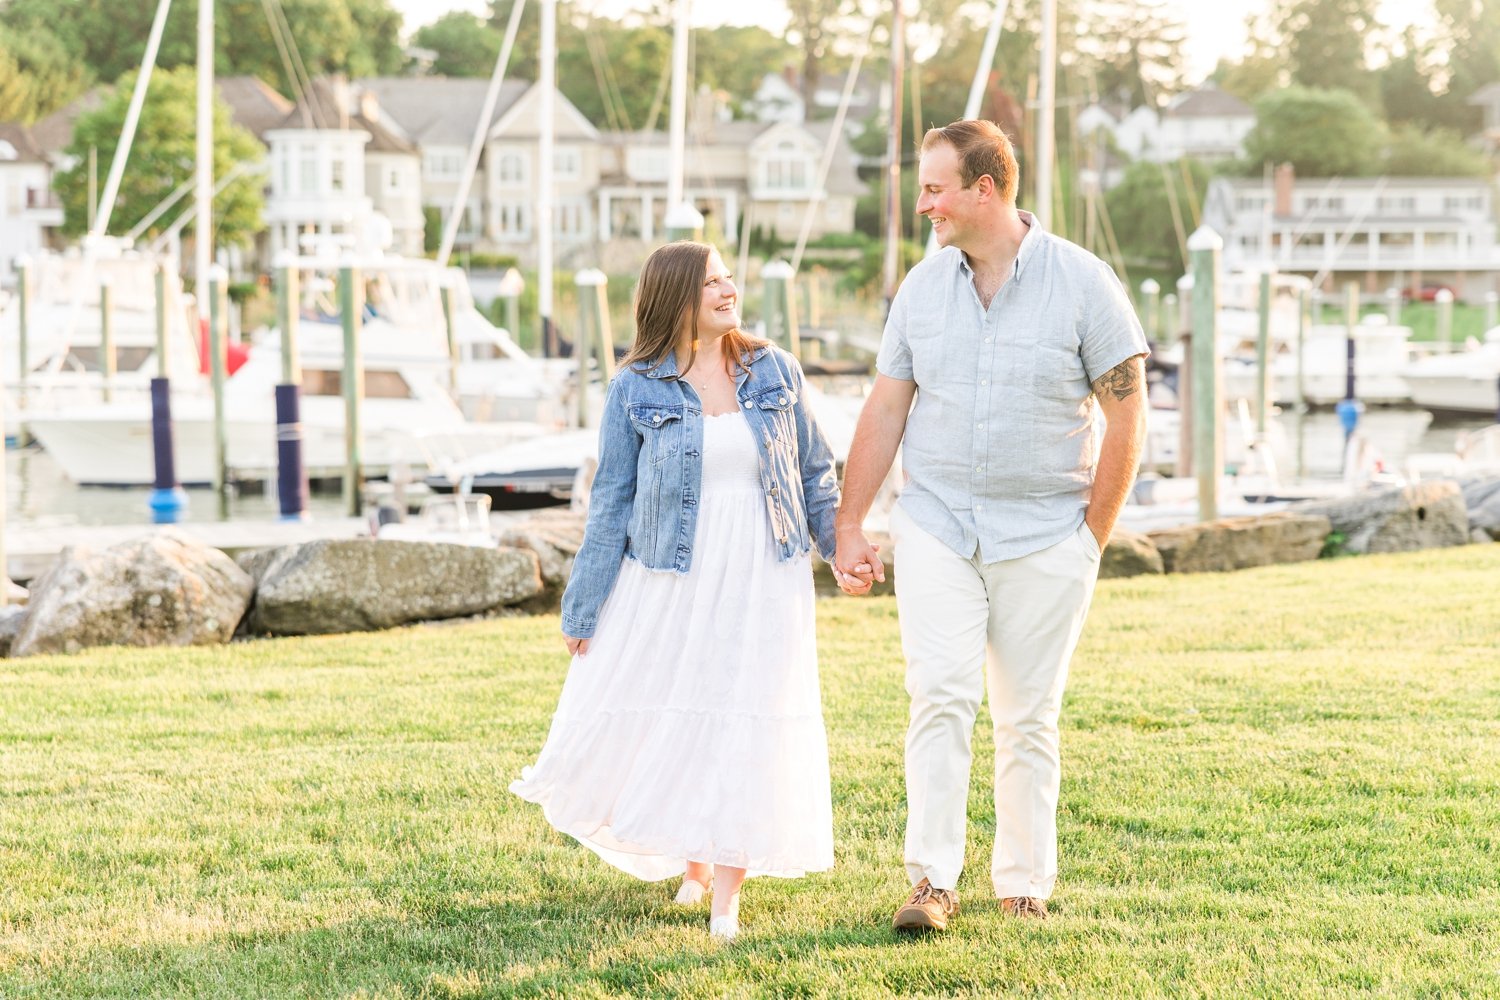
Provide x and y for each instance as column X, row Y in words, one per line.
column 734, row 59
column 1439, row 152
column 1407, row 82
column 42, row 75
column 161, row 158
column 1133, row 50
column 1322, row 133
column 465, row 45
column 353, row 37
column 1469, row 31
column 1140, row 211
column 1326, row 42
column 1265, row 65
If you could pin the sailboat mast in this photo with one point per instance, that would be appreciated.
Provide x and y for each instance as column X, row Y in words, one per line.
column 678, row 149
column 548, row 88
column 893, row 155
column 203, row 227
column 1045, row 114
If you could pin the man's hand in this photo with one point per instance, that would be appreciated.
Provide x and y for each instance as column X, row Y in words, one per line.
column 856, row 563
column 576, row 646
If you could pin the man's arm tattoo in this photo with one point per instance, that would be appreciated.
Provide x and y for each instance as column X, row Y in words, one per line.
column 1122, row 380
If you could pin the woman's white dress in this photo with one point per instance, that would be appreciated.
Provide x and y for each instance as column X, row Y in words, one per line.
column 693, row 728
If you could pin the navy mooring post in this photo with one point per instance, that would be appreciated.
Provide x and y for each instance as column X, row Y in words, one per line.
column 291, row 484
column 167, row 498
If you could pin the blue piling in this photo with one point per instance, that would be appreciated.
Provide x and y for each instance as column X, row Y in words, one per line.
column 167, row 499
column 291, row 484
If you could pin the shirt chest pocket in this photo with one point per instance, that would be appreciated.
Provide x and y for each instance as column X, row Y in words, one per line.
column 928, row 345
column 660, row 428
column 1056, row 372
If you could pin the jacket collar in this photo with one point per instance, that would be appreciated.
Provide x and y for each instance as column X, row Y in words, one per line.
column 668, row 366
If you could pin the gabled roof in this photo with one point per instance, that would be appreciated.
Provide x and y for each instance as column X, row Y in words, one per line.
column 1207, row 101
column 439, row 110
column 332, row 106
column 19, row 145
column 1488, row 94
column 253, row 105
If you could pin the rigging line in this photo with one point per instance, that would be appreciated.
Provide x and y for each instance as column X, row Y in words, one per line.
column 1171, row 189
column 609, row 104
column 1111, row 242
column 834, row 133
column 614, row 83
column 1191, row 189
column 661, row 93
column 286, row 63
column 319, row 112
column 481, row 131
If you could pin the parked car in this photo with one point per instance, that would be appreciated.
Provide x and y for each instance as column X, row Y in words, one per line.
column 1426, row 293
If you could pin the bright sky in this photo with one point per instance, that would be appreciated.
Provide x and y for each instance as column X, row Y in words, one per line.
column 1214, row 29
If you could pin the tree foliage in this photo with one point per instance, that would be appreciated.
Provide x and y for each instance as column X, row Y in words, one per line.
column 1326, row 43
column 161, row 158
column 37, row 73
column 1438, row 152
column 352, row 37
column 1322, row 133
column 463, row 45
column 1141, row 212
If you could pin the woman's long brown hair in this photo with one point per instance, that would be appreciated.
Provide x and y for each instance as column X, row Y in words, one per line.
column 668, row 297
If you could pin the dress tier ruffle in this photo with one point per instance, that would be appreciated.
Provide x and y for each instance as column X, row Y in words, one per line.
column 693, row 729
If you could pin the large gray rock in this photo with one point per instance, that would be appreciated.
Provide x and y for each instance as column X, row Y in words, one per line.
column 10, row 624
column 1241, row 542
column 1482, row 498
column 1129, row 554
column 1426, row 515
column 555, row 536
column 163, row 589
column 358, row 584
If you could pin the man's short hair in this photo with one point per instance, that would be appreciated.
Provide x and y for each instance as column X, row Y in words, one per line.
column 983, row 148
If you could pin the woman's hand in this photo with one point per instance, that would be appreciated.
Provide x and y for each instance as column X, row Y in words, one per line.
column 576, row 646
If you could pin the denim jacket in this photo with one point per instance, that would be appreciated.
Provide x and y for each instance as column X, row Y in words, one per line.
column 644, row 502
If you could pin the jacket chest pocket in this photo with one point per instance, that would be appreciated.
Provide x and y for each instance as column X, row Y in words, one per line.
column 660, row 428
column 776, row 407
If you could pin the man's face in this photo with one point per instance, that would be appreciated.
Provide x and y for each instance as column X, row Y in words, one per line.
column 949, row 206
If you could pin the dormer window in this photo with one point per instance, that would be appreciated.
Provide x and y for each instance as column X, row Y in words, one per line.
column 787, row 168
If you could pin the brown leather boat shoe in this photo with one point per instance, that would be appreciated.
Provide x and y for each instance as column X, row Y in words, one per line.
column 1025, row 906
column 926, row 909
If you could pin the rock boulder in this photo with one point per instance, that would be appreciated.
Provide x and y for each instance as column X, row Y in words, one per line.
column 1482, row 498
column 1129, row 554
column 1425, row 515
column 163, row 589
column 1241, row 542
column 359, row 584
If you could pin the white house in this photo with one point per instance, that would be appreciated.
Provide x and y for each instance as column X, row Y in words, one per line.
column 777, row 99
column 29, row 212
column 1206, row 124
column 1381, row 232
column 331, row 159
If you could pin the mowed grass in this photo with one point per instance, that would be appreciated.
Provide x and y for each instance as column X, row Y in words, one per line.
column 1279, row 782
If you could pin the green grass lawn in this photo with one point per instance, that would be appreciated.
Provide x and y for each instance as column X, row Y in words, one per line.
column 1279, row 782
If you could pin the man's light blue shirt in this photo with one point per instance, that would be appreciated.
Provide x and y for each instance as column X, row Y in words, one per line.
column 1001, row 443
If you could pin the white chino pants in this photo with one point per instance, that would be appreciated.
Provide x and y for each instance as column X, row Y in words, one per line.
column 1028, row 613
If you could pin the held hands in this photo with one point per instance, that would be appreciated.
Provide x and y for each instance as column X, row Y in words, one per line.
column 856, row 564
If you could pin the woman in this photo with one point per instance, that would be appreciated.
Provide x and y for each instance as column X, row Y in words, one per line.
column 689, row 736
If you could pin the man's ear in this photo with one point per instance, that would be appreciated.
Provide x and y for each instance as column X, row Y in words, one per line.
column 985, row 187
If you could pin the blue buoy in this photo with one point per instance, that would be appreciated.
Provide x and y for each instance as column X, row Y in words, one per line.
column 1349, row 411
column 167, row 505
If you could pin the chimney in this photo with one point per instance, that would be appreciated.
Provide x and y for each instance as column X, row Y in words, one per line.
column 369, row 105
column 1282, row 181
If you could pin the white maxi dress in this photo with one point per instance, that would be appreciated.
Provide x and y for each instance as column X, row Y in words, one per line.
column 693, row 728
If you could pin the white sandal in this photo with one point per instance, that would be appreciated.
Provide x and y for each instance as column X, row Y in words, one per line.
column 691, row 892
column 727, row 927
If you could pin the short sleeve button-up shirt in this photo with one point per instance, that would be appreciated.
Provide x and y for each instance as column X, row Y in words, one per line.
column 1001, row 443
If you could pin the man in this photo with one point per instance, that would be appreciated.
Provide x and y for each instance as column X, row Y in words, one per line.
column 1006, row 339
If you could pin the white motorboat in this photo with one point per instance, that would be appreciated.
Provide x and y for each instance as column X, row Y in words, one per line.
column 1381, row 354
column 408, row 415
column 1465, row 381
column 64, row 344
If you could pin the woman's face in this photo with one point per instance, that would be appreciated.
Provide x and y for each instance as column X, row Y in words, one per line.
column 719, row 311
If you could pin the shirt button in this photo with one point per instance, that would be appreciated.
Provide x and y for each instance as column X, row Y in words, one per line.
column 979, row 427
column 984, row 381
column 988, row 339
column 979, row 506
column 978, row 468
